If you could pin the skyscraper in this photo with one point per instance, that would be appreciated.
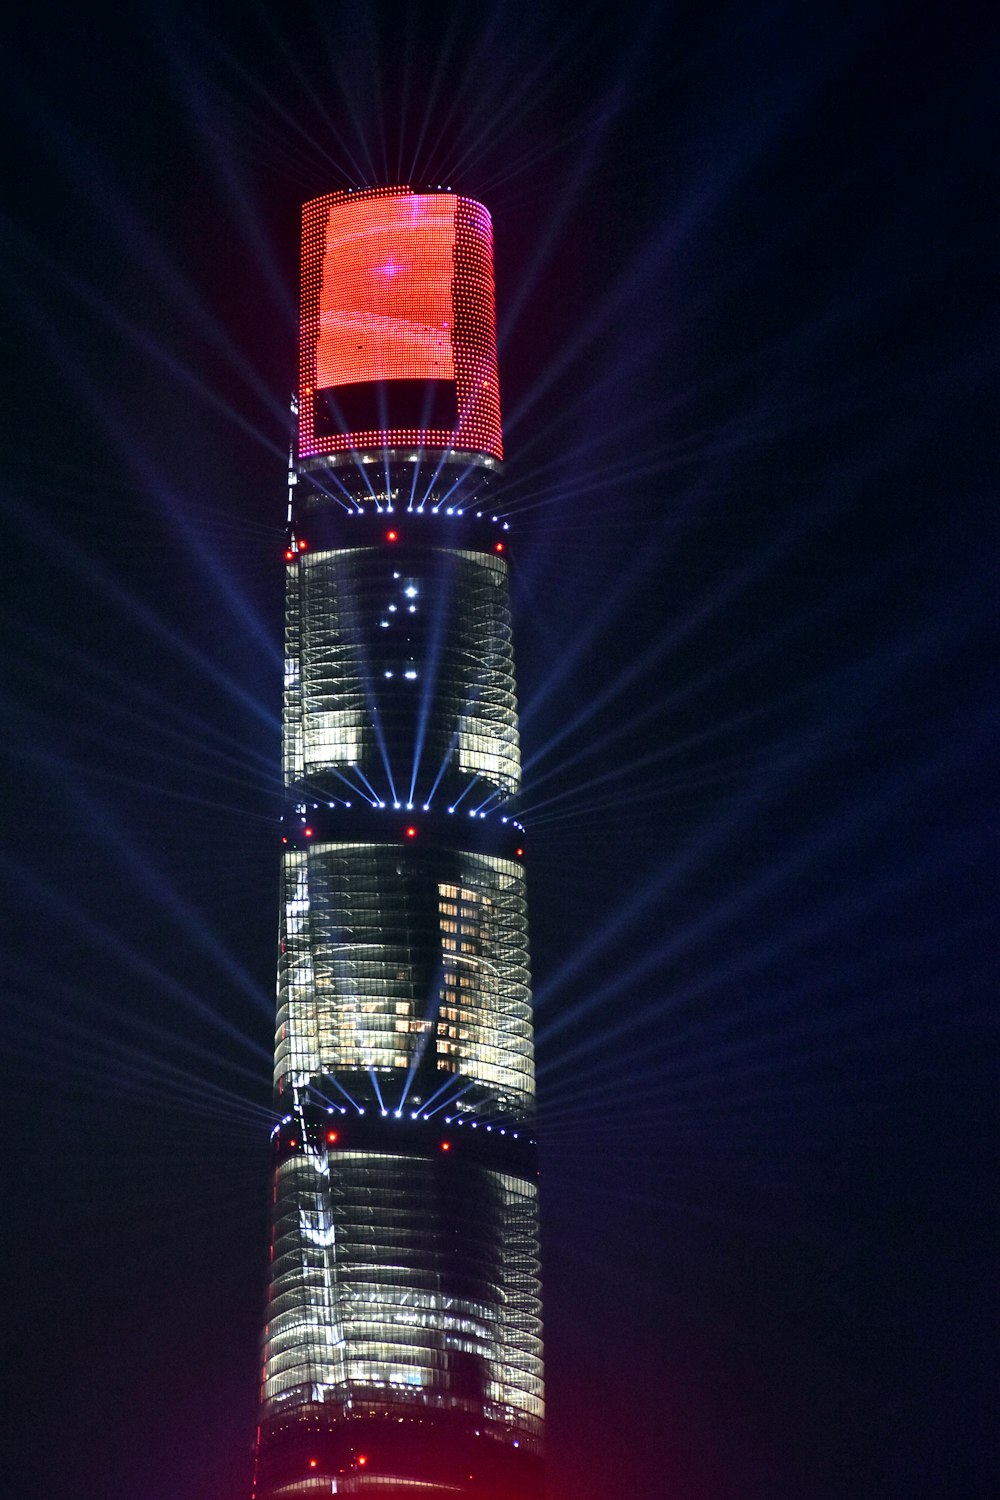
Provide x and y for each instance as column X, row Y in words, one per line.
column 402, row 1346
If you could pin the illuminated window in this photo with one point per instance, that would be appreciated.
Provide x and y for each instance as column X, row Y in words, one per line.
column 480, row 988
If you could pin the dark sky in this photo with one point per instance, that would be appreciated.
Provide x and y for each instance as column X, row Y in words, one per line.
column 745, row 264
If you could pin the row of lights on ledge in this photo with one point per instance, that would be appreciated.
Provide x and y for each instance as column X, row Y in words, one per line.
column 410, row 832
column 410, row 807
column 299, row 544
column 332, row 1136
column 417, row 510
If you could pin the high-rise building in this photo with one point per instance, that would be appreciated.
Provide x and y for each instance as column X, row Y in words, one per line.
column 402, row 1346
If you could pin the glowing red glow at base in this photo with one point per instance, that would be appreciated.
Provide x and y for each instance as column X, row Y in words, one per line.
column 411, row 833
column 362, row 1460
column 392, row 536
column 332, row 1137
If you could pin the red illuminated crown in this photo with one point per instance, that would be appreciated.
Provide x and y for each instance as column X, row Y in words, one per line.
column 398, row 331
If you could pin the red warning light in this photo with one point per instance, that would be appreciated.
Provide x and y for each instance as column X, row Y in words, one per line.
column 308, row 832
column 411, row 832
column 284, row 839
column 519, row 853
column 293, row 1142
column 362, row 1460
column 332, row 1137
column 289, row 555
column 498, row 546
column 313, row 1462
column 446, row 1145
column 302, row 545
column 392, row 536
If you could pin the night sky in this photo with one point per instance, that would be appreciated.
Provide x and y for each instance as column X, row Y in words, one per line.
column 745, row 273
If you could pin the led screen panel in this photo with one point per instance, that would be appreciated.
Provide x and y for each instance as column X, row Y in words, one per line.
column 398, row 332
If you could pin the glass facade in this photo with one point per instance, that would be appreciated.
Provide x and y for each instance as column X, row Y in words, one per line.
column 402, row 1349
column 402, row 658
column 404, row 1283
column 399, row 959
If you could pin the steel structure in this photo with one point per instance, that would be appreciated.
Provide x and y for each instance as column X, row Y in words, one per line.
column 402, row 1346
